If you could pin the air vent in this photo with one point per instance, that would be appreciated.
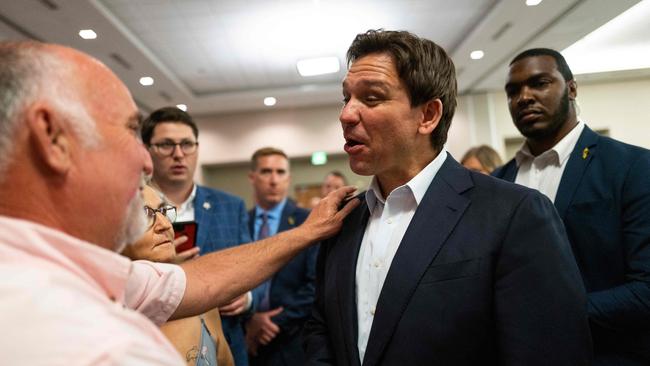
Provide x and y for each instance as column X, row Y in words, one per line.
column 165, row 96
column 501, row 30
column 120, row 60
column 50, row 4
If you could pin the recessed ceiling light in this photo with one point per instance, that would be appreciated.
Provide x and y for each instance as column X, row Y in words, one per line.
column 318, row 66
column 146, row 80
column 477, row 55
column 87, row 34
column 182, row 107
column 269, row 101
column 533, row 2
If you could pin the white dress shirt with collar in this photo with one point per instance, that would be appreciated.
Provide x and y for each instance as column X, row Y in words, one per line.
column 544, row 172
column 185, row 211
column 386, row 227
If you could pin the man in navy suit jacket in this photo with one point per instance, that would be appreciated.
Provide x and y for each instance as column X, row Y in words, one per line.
column 284, row 302
column 601, row 189
column 172, row 138
column 439, row 265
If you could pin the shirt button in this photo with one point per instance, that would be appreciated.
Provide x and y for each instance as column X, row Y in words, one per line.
column 389, row 221
column 377, row 264
column 372, row 311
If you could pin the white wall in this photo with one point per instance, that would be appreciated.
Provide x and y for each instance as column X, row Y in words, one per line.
column 299, row 132
column 480, row 118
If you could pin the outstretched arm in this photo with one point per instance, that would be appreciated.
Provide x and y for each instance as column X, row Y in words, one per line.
column 218, row 277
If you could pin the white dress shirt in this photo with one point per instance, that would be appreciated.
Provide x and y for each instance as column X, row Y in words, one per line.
column 387, row 224
column 185, row 211
column 544, row 172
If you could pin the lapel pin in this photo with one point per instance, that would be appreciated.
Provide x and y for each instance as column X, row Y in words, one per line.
column 585, row 153
column 292, row 221
column 207, row 205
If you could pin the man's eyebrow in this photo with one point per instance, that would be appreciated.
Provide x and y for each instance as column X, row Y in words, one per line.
column 370, row 83
column 137, row 118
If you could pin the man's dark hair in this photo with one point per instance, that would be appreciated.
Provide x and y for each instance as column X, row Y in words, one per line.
column 166, row 114
column 425, row 68
column 265, row 151
column 560, row 62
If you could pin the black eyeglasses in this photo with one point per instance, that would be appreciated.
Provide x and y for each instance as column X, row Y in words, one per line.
column 168, row 147
column 169, row 212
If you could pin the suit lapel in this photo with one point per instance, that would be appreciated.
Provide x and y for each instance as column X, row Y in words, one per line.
column 287, row 219
column 199, row 217
column 348, row 245
column 251, row 223
column 510, row 171
column 435, row 218
column 581, row 156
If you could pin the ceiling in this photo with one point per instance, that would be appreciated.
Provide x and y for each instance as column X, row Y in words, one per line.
column 224, row 56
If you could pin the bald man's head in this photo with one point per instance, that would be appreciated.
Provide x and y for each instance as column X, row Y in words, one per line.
column 72, row 138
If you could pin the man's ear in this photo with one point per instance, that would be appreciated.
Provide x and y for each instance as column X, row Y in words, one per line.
column 49, row 137
column 251, row 176
column 573, row 89
column 431, row 113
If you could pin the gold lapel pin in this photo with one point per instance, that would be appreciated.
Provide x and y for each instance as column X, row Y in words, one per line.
column 207, row 205
column 585, row 153
column 291, row 220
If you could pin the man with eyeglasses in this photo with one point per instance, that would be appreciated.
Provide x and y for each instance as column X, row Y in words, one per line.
column 171, row 136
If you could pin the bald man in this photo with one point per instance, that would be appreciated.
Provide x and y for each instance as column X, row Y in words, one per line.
column 71, row 167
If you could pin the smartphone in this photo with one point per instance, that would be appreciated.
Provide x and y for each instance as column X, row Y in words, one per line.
column 189, row 229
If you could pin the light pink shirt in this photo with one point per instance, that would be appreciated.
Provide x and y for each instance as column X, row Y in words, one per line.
column 64, row 301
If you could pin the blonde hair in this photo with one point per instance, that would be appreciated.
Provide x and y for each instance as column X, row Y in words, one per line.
column 486, row 155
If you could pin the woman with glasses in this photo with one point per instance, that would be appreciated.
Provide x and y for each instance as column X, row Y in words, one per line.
column 198, row 339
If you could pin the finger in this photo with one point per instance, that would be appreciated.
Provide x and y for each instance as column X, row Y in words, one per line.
column 187, row 255
column 273, row 329
column 265, row 340
column 227, row 307
column 233, row 312
column 343, row 192
column 349, row 206
column 275, row 311
column 180, row 240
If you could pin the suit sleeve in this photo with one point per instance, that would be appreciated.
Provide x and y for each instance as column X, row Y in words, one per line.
column 300, row 303
column 628, row 306
column 540, row 302
column 318, row 349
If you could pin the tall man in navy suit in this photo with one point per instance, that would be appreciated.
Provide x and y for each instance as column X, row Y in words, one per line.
column 284, row 302
column 439, row 265
column 601, row 189
column 172, row 139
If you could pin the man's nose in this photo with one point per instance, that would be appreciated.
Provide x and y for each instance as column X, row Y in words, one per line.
column 525, row 96
column 178, row 151
column 349, row 113
column 147, row 166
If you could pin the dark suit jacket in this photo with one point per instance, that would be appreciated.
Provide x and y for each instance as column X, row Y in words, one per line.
column 604, row 201
column 223, row 223
column 293, row 289
column 483, row 276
